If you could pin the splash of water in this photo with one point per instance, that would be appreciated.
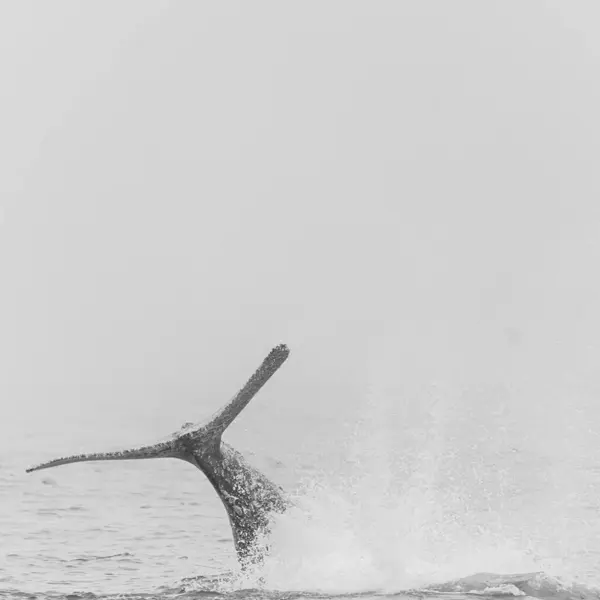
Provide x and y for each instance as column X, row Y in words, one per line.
column 364, row 531
column 339, row 543
column 448, row 498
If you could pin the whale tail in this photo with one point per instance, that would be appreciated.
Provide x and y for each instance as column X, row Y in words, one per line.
column 190, row 437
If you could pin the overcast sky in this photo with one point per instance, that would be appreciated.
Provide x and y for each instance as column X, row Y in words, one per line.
column 401, row 191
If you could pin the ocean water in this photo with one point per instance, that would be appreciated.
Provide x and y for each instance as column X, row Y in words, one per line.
column 431, row 492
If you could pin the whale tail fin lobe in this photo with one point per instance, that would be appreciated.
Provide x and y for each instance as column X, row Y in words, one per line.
column 226, row 415
column 201, row 436
column 162, row 450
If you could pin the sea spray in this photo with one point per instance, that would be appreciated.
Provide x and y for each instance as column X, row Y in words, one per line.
column 363, row 530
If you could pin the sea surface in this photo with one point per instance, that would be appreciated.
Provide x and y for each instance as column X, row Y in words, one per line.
column 430, row 494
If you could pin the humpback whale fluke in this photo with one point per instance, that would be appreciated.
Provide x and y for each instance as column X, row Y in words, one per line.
column 248, row 496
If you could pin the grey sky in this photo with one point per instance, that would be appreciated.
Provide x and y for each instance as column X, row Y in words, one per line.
column 402, row 191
